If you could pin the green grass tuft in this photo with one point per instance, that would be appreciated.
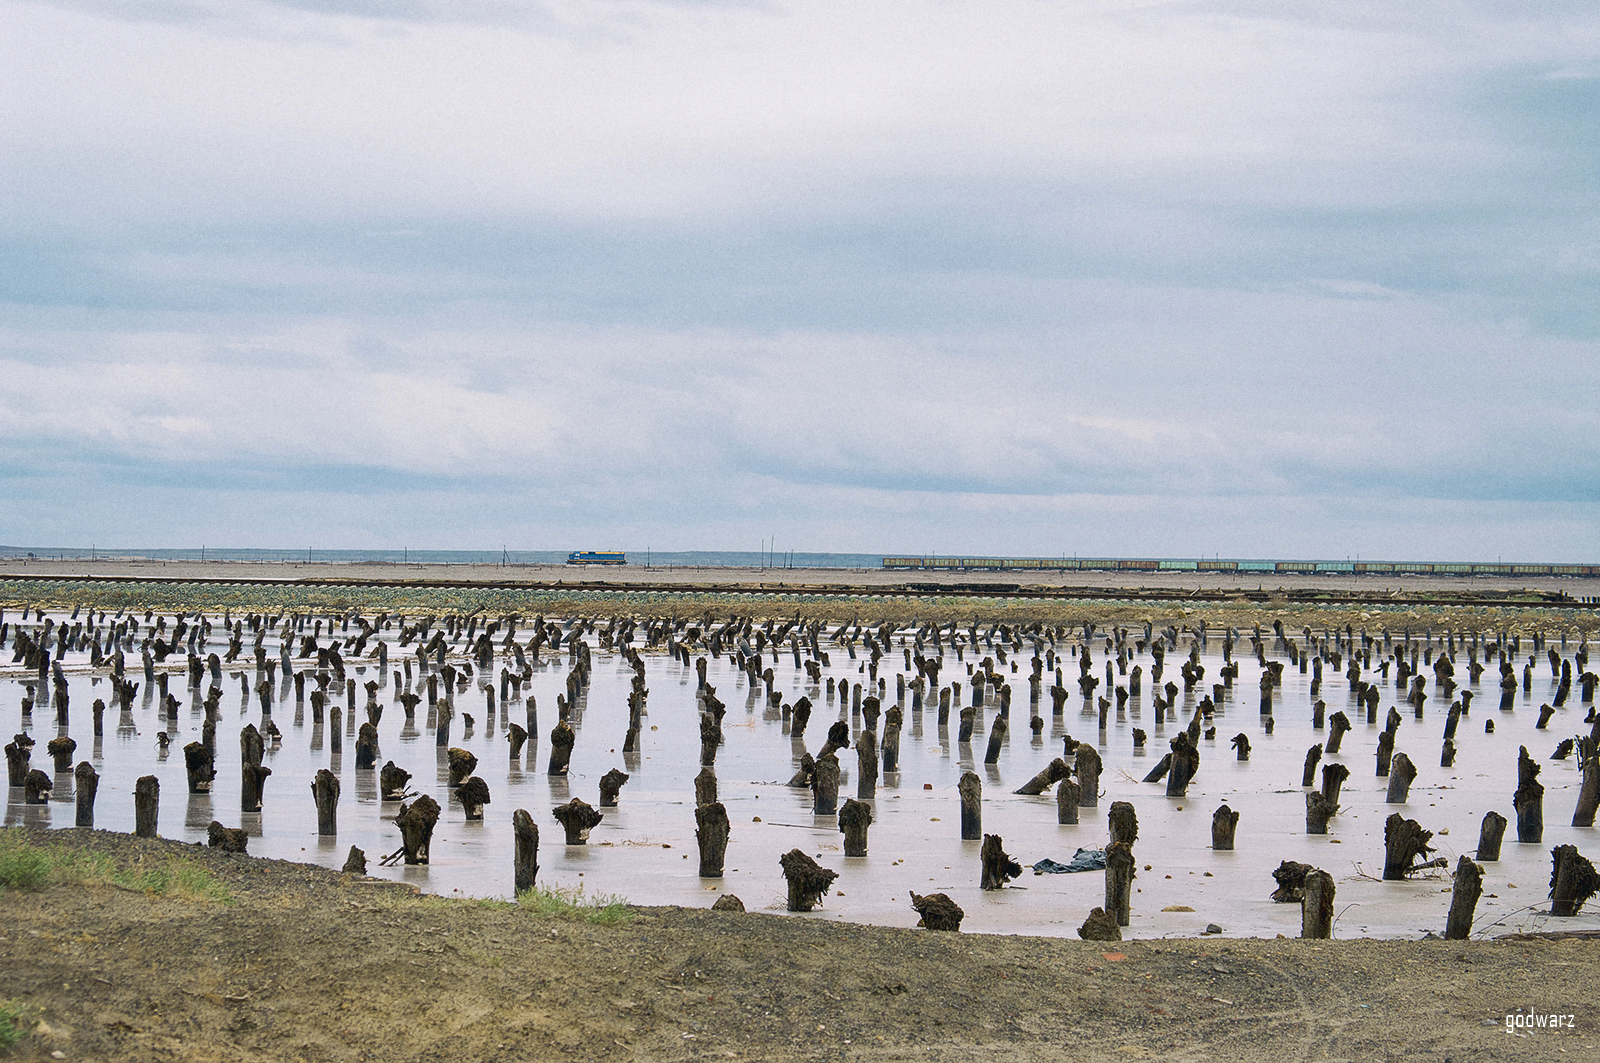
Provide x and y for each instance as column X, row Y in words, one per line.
column 602, row 909
column 26, row 866
column 14, row 1024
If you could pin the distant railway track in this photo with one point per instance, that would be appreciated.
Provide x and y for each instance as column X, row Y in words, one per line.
column 1297, row 596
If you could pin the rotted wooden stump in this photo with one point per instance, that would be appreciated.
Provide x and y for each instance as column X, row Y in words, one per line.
column 1319, row 809
column 970, row 790
column 88, row 783
column 1185, row 763
column 1224, row 821
column 367, row 746
column 1405, row 843
column 61, row 750
column 1119, row 881
column 866, row 766
column 146, row 804
column 825, row 785
column 1088, row 772
column 355, row 862
column 889, row 748
column 997, row 738
column 1291, row 879
column 854, row 819
column 561, row 742
column 1159, row 772
column 325, row 792
column 937, row 911
column 1464, row 894
column 35, row 787
column 838, row 738
column 1308, row 776
column 711, row 833
column 416, row 821
column 577, row 818
column 392, row 780
column 968, row 721
column 808, row 881
column 1447, row 754
column 710, row 739
column 473, row 795
column 1573, row 880
column 1402, row 773
column 1316, row 905
column 517, row 736
column 525, row 859
column 462, row 764
column 705, row 787
column 727, row 903
column 1338, row 724
column 1241, row 742
column 610, row 786
column 1528, row 800
column 1490, row 835
column 1100, row 926
column 1588, row 790
column 18, row 753
column 228, row 839
column 1067, row 801
column 998, row 867
column 1053, row 773
column 1333, row 779
column 197, row 762
column 1385, row 754
column 1123, row 822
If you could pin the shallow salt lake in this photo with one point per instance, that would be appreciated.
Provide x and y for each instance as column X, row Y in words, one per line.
column 645, row 850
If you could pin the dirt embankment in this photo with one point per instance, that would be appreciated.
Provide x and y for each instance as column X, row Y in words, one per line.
column 306, row 964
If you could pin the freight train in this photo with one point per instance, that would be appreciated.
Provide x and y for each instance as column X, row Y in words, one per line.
column 1313, row 568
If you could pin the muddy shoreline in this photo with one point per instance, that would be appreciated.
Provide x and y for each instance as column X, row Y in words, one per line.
column 309, row 964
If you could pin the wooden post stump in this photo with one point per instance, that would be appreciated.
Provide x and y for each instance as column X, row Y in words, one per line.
column 325, row 791
column 228, row 839
column 997, row 737
column 1333, row 778
column 998, row 867
column 525, row 861
column 1573, row 880
column 711, row 832
column 1224, row 821
column 1385, row 753
column 825, row 785
column 808, row 881
column 1316, row 905
column 705, row 787
column 1119, row 881
column 61, row 750
column 1308, row 776
column 1088, row 773
column 1490, row 835
column 392, row 780
column 1528, row 800
column 517, row 736
column 1589, row 790
column 1185, row 762
column 1401, row 775
column 611, row 785
column 1405, row 843
column 146, row 801
column 355, row 862
column 88, row 782
column 416, row 821
column 197, row 762
column 1319, row 809
column 893, row 721
column 1067, row 802
column 577, row 818
column 561, row 742
column 1100, row 926
column 970, row 789
column 462, row 764
column 1464, row 894
column 367, row 746
column 35, row 787
column 1053, row 773
column 473, row 795
column 1123, row 823
column 866, row 766
column 854, row 819
column 937, row 912
column 1241, row 742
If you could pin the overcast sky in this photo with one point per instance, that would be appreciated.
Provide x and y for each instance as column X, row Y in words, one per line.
column 1013, row 277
